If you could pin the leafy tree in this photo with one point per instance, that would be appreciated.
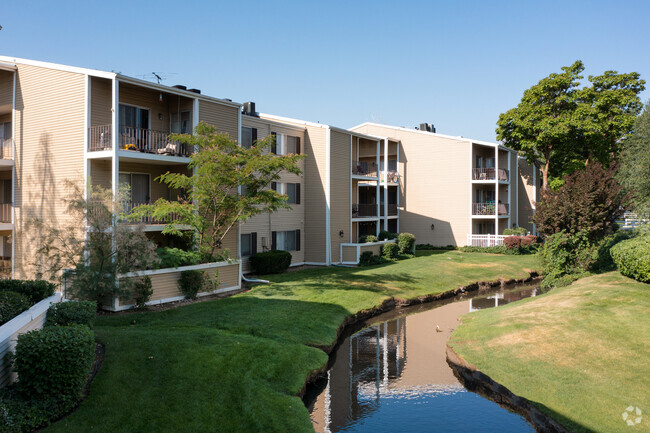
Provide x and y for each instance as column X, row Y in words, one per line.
column 634, row 172
column 564, row 127
column 211, row 206
column 108, row 250
column 587, row 203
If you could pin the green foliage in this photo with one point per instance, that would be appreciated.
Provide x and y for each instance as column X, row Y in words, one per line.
column 521, row 244
column 11, row 305
column 564, row 126
column 71, row 313
column 518, row 231
column 634, row 172
column 566, row 254
column 497, row 249
column 632, row 258
column 604, row 261
column 220, row 166
column 368, row 239
column 142, row 291
column 34, row 290
column 270, row 262
column 367, row 258
column 176, row 257
column 21, row 413
column 386, row 235
column 434, row 247
column 390, row 251
column 406, row 243
column 55, row 362
column 192, row 282
column 587, row 203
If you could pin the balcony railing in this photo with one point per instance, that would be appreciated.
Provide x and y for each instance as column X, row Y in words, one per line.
column 490, row 174
column 364, row 210
column 392, row 177
column 489, row 208
column 364, row 168
column 136, row 139
column 392, row 210
column 129, row 206
column 5, row 212
column 5, row 148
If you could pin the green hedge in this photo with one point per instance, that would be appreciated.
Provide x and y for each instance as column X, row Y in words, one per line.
column 175, row 257
column 367, row 258
column 390, row 251
column 35, row 290
column 192, row 282
column 71, row 313
column 406, row 243
column 368, row 239
column 519, row 231
column 386, row 235
column 632, row 258
column 11, row 305
column 270, row 262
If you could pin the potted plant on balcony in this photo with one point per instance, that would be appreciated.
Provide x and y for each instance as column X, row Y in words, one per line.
column 130, row 146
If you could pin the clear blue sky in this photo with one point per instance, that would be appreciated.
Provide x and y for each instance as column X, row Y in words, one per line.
column 457, row 64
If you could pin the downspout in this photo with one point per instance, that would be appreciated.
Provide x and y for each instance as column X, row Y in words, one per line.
column 254, row 280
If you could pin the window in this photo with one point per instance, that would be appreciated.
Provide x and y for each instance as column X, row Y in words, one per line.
column 291, row 190
column 181, row 122
column 285, row 144
column 248, row 137
column 134, row 117
column 484, row 196
column 138, row 186
column 248, row 244
column 286, row 241
column 485, row 228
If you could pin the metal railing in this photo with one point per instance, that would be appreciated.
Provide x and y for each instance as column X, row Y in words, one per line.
column 364, row 210
column 136, row 139
column 129, row 206
column 490, row 174
column 392, row 177
column 364, row 168
column 392, row 210
column 490, row 208
column 5, row 212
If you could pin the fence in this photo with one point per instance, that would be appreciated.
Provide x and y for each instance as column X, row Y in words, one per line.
column 485, row 240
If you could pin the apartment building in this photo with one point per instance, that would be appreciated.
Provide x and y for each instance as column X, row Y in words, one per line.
column 61, row 123
column 455, row 190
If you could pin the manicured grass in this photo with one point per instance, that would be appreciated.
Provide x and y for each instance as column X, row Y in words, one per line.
column 581, row 353
column 237, row 364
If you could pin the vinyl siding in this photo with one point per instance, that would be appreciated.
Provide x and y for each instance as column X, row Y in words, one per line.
column 49, row 138
column 315, row 202
column 526, row 195
column 6, row 91
column 223, row 117
column 349, row 254
column 101, row 104
column 340, row 213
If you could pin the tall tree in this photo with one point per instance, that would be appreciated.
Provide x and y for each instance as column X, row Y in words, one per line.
column 564, row 127
column 210, row 204
column 634, row 172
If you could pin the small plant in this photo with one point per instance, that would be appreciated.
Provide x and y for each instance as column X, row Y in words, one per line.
column 142, row 292
column 35, row 290
column 71, row 313
column 406, row 243
column 518, row 231
column 390, row 251
column 367, row 239
column 270, row 262
column 11, row 305
column 192, row 282
column 386, row 235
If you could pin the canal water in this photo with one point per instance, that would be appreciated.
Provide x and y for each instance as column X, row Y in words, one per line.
column 392, row 376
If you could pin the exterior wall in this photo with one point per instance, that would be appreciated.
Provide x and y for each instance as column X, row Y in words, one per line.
column 526, row 199
column 49, row 140
column 340, row 210
column 223, row 117
column 349, row 254
column 101, row 91
column 375, row 248
column 6, row 91
column 514, row 185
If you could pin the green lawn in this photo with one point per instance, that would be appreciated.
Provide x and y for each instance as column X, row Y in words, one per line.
column 237, row 364
column 581, row 353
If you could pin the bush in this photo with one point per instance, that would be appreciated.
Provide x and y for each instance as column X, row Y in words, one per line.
column 19, row 413
column 519, row 231
column 604, row 261
column 632, row 258
column 11, row 305
column 142, row 292
column 428, row 247
column 566, row 254
column 35, row 290
column 175, row 257
column 367, row 258
column 406, row 243
column 512, row 242
column 55, row 362
column 367, row 239
column 71, row 313
column 192, row 282
column 270, row 262
column 386, row 235
column 390, row 251
column 497, row 249
column 528, row 241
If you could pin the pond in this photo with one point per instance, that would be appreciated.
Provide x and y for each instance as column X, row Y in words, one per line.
column 392, row 376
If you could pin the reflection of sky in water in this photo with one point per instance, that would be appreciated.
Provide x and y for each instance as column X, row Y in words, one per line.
column 393, row 377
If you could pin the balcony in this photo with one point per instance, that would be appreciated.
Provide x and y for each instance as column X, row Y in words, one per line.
column 490, row 174
column 5, row 148
column 392, row 209
column 364, row 168
column 137, row 140
column 481, row 209
column 364, row 211
column 99, row 210
column 5, row 212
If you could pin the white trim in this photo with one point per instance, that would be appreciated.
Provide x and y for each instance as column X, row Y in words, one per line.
column 517, row 190
column 385, row 185
column 133, row 154
column 239, row 257
column 533, row 205
column 351, row 182
column 179, row 298
column 496, row 190
column 282, row 119
column 59, row 67
column 254, row 121
column 377, row 191
column 15, row 324
column 87, row 121
column 471, row 188
column 179, row 269
column 509, row 191
column 13, row 178
column 315, row 263
column 328, row 197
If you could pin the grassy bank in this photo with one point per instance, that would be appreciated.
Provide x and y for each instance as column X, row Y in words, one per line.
column 581, row 353
column 236, row 364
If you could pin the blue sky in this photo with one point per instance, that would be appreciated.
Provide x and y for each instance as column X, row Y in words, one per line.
column 457, row 64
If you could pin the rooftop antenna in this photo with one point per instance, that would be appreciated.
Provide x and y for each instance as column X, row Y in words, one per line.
column 158, row 77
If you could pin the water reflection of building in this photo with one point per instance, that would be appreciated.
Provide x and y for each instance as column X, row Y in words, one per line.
column 500, row 298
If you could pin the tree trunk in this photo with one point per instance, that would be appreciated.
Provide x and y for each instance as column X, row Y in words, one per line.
column 545, row 175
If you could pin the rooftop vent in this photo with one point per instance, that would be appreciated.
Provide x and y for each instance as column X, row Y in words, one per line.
column 249, row 109
column 195, row 91
column 180, row 86
column 427, row 127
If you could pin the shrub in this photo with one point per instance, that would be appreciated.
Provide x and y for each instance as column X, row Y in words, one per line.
column 390, row 251
column 19, row 413
column 35, row 290
column 632, row 258
column 11, row 305
column 367, row 239
column 528, row 241
column 426, row 247
column 71, row 313
column 270, row 262
column 406, row 243
column 367, row 258
column 192, row 282
column 386, row 235
column 497, row 249
column 565, row 254
column 175, row 257
column 55, row 362
column 512, row 242
column 518, row 231
column 604, row 261
column 142, row 291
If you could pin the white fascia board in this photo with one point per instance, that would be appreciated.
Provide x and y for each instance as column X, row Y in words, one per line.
column 282, row 119
column 59, row 67
column 8, row 66
column 251, row 120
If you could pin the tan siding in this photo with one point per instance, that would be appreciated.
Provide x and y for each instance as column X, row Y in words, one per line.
column 375, row 249
column 349, row 254
column 340, row 213
column 100, row 173
column 526, row 195
column 315, row 203
column 223, row 117
column 100, row 101
column 49, row 135
column 6, row 91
